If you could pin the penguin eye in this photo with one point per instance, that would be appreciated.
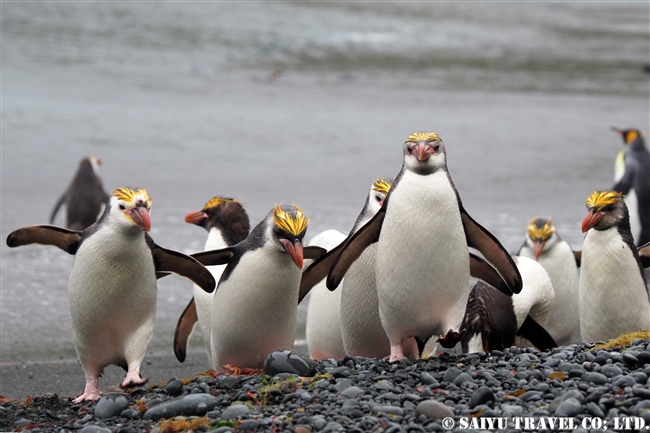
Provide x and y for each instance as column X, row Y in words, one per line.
column 122, row 207
column 436, row 148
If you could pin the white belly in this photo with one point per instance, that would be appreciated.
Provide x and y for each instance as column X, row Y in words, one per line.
column 254, row 311
column 422, row 264
column 363, row 333
column 563, row 319
column 613, row 298
column 112, row 295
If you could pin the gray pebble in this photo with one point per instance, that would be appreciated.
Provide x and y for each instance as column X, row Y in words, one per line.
column 174, row 387
column 110, row 405
column 189, row 405
column 569, row 407
column 433, row 409
column 481, row 396
column 352, row 392
column 595, row 378
column 94, row 429
column 235, row 411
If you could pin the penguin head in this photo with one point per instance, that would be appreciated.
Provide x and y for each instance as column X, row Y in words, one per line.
column 424, row 152
column 630, row 136
column 377, row 194
column 541, row 235
column 226, row 214
column 130, row 207
column 606, row 209
column 287, row 227
column 89, row 167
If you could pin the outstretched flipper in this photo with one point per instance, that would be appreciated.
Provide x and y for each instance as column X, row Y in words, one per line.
column 318, row 270
column 67, row 240
column 479, row 268
column 58, row 204
column 186, row 266
column 354, row 247
column 214, row 257
column 313, row 252
column 536, row 334
column 481, row 239
column 184, row 329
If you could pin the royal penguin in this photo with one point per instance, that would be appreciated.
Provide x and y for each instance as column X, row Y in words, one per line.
column 493, row 320
column 84, row 197
column 255, row 305
column 323, row 327
column 613, row 297
column 112, row 288
column 635, row 176
column 543, row 244
column 227, row 224
column 422, row 264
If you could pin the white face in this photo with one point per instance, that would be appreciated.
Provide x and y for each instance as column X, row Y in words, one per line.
column 133, row 213
column 375, row 200
column 424, row 157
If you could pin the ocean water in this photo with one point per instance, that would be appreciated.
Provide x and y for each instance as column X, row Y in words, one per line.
column 301, row 102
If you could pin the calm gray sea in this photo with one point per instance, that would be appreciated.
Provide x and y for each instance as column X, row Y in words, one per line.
column 301, row 102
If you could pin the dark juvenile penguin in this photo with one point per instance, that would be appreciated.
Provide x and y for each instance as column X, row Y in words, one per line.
column 544, row 245
column 227, row 224
column 112, row 288
column 84, row 197
column 636, row 176
column 254, row 311
column 422, row 263
column 612, row 291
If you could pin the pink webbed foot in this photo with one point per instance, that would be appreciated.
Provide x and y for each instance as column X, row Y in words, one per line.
column 133, row 378
column 451, row 338
column 91, row 392
column 396, row 352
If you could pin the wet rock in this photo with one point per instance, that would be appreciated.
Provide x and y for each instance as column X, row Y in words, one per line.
column 481, row 396
column 286, row 361
column 174, row 387
column 235, row 411
column 189, row 405
column 434, row 410
column 569, row 407
column 110, row 405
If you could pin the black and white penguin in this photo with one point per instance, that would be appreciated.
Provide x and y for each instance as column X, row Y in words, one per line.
column 323, row 326
column 85, row 196
column 422, row 263
column 256, row 301
column 112, row 288
column 612, row 291
column 227, row 224
column 636, row 176
column 558, row 259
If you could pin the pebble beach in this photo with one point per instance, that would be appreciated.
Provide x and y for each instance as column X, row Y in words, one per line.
column 579, row 388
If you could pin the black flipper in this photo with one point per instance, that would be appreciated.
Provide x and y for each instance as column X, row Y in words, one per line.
column 536, row 334
column 67, row 240
column 317, row 270
column 481, row 239
column 186, row 266
column 578, row 257
column 58, row 204
column 313, row 252
column 184, row 329
column 214, row 257
column 479, row 268
column 644, row 255
column 354, row 247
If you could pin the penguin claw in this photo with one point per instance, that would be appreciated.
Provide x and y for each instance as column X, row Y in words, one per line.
column 91, row 392
column 133, row 378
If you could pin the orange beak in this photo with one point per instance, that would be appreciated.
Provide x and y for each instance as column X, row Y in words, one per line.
column 422, row 151
column 539, row 246
column 591, row 220
column 195, row 217
column 294, row 250
column 141, row 217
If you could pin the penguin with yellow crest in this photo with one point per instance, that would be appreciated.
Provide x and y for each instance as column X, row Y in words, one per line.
column 112, row 289
column 612, row 292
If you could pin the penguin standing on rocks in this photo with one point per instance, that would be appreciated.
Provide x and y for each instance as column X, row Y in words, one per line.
column 493, row 320
column 558, row 259
column 256, row 301
column 227, row 224
column 612, row 291
column 422, row 264
column 112, row 288
column 84, row 197
column 636, row 176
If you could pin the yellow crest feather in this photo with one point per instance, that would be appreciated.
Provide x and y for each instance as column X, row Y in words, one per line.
column 542, row 233
column 292, row 222
column 382, row 185
column 422, row 136
column 128, row 194
column 217, row 201
column 600, row 199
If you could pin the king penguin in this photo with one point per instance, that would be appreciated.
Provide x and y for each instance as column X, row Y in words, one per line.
column 227, row 224
column 255, row 305
column 612, row 291
column 422, row 264
column 636, row 176
column 544, row 244
column 84, row 197
column 493, row 320
column 112, row 288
